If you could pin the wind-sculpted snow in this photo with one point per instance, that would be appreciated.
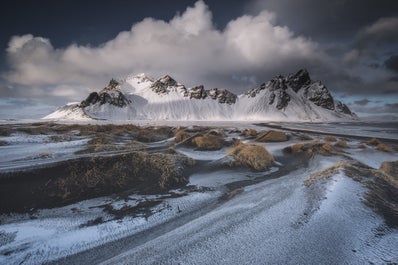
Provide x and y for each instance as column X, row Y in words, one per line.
column 311, row 206
column 292, row 98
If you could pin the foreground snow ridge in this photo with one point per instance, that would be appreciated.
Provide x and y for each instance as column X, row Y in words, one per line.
column 292, row 98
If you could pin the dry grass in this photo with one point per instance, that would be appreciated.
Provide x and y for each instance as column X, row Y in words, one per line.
column 390, row 168
column 330, row 138
column 362, row 145
column 297, row 148
column 44, row 155
column 208, row 142
column 143, row 134
column 383, row 147
column 374, row 142
column 253, row 156
column 250, row 133
column 181, row 136
column 382, row 185
column 324, row 173
column 341, row 144
column 272, row 136
column 102, row 175
column 233, row 193
column 312, row 147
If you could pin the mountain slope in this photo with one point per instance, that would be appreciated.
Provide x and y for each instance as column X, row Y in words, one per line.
column 292, row 98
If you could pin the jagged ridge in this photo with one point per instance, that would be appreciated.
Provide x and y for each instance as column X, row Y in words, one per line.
column 295, row 97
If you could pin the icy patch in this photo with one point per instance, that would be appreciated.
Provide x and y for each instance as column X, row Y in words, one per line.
column 259, row 225
column 371, row 157
column 62, row 231
column 203, row 155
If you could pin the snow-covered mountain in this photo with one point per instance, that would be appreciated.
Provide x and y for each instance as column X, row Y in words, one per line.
column 138, row 97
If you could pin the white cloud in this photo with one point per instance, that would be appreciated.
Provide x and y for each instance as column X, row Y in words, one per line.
column 382, row 28
column 188, row 47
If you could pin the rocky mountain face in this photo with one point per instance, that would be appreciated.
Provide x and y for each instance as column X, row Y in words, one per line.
column 108, row 95
column 292, row 97
column 221, row 95
column 299, row 83
column 166, row 84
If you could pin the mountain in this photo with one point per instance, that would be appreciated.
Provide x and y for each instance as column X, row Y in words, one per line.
column 295, row 97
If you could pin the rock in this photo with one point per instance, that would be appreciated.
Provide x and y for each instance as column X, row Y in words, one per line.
column 272, row 136
column 197, row 92
column 277, row 83
column 91, row 99
column 225, row 96
column 341, row 107
column 319, row 95
column 165, row 84
column 108, row 95
column 250, row 155
column 298, row 80
column 283, row 99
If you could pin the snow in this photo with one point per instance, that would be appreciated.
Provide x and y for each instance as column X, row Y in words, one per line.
column 58, row 232
column 146, row 104
column 278, row 220
column 25, row 150
column 264, row 224
column 203, row 155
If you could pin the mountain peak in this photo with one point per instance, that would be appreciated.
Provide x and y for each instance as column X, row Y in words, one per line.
column 168, row 80
column 166, row 84
column 299, row 79
column 294, row 97
column 113, row 84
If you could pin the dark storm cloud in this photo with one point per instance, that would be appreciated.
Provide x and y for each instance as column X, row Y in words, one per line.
column 349, row 45
column 392, row 63
column 188, row 47
column 389, row 108
column 362, row 102
column 393, row 79
column 330, row 20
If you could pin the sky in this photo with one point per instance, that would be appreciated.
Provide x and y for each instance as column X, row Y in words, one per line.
column 54, row 52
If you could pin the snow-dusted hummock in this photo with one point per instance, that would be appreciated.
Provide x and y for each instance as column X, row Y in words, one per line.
column 138, row 97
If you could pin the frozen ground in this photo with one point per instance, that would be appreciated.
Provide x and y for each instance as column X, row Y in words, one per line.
column 273, row 218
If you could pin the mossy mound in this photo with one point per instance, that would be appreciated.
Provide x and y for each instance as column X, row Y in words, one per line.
column 208, row 142
column 341, row 144
column 250, row 155
column 272, row 136
column 330, row 138
column 383, row 147
column 181, row 136
column 374, row 142
column 311, row 148
column 89, row 177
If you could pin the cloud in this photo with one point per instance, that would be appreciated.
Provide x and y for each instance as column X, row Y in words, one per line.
column 385, row 28
column 392, row 63
column 18, row 108
column 362, row 102
column 189, row 47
